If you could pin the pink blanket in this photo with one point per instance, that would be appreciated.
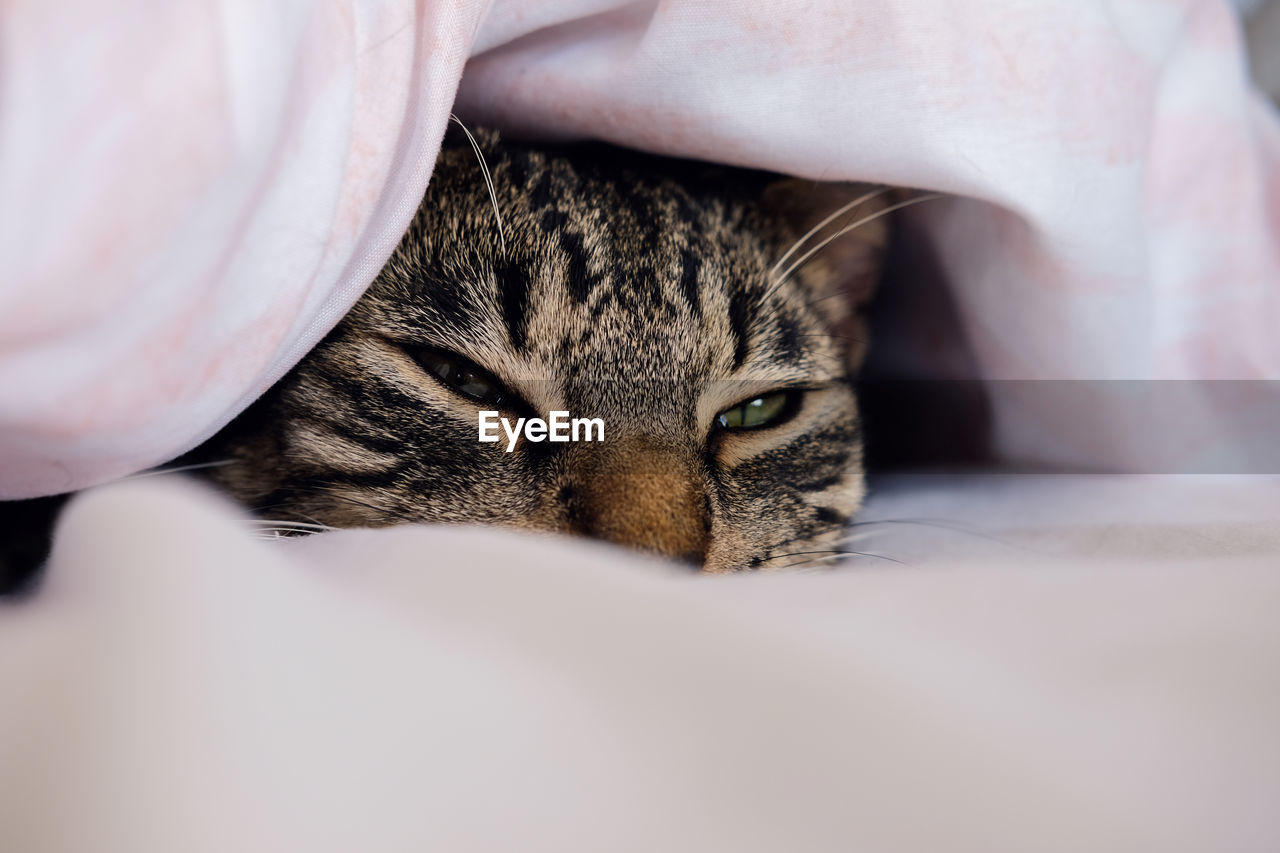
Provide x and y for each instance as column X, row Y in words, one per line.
column 192, row 194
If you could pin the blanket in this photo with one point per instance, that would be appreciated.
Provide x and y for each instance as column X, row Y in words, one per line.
column 192, row 194
column 1043, row 684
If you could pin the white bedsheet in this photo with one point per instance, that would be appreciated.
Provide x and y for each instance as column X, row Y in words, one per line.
column 1012, row 517
column 177, row 685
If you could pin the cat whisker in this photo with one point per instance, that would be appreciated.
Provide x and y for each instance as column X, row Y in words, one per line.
column 793, row 540
column 805, row 562
column 831, row 552
column 384, row 514
column 273, row 533
column 313, row 523
column 825, row 562
column 823, row 224
column 949, row 525
column 780, row 280
column 155, row 472
column 387, row 513
column 488, row 180
column 282, row 523
column 803, row 259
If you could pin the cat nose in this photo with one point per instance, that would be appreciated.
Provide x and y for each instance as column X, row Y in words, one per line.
column 643, row 497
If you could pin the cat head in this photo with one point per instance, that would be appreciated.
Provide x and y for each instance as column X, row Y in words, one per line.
column 658, row 296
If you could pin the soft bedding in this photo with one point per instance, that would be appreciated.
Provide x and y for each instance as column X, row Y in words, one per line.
column 179, row 685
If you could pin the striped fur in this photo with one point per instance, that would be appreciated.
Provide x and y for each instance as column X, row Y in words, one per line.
column 632, row 288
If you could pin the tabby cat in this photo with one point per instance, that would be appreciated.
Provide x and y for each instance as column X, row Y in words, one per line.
column 657, row 295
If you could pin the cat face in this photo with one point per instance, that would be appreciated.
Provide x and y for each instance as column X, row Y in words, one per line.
column 632, row 289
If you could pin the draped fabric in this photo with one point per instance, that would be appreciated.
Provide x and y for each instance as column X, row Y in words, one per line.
column 192, row 193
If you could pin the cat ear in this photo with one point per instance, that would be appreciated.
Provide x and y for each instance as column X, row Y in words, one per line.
column 832, row 239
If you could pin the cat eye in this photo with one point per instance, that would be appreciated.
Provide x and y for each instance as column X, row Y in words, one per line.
column 766, row 410
column 464, row 377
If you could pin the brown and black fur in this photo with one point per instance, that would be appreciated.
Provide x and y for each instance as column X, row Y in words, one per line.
column 631, row 288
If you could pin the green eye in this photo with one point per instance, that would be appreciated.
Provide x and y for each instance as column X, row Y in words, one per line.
column 464, row 377
column 767, row 410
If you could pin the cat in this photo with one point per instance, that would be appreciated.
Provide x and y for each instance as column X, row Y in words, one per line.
column 669, row 299
column 707, row 316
